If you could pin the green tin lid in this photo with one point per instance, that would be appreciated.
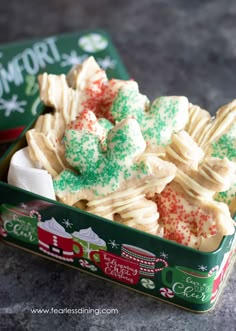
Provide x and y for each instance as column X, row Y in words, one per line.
column 20, row 64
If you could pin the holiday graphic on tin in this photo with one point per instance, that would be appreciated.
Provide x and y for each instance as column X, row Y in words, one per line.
column 12, row 105
column 188, row 284
column 89, row 241
column 24, row 222
column 220, row 273
column 19, row 95
column 56, row 242
column 93, row 42
column 122, row 262
column 133, row 263
column 20, row 222
column 128, row 268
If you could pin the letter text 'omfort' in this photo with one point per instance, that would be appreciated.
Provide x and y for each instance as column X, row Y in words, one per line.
column 29, row 61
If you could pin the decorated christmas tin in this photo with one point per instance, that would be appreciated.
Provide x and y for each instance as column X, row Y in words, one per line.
column 143, row 262
column 163, row 269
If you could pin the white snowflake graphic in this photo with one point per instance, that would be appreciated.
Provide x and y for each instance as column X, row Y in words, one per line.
column 23, row 205
column 72, row 59
column 93, row 42
column 164, row 255
column 87, row 250
column 67, row 223
column 113, row 244
column 202, row 267
column 107, row 63
column 12, row 105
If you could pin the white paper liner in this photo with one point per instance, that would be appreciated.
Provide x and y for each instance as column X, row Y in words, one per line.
column 23, row 174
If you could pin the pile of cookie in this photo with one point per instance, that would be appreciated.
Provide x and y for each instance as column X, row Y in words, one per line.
column 167, row 167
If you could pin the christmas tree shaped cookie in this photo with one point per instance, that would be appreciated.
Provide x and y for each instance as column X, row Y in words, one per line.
column 101, row 171
column 158, row 121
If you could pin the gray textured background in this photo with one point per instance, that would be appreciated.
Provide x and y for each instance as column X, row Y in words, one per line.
column 169, row 47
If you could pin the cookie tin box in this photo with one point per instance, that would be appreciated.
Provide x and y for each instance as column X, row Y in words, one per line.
column 143, row 262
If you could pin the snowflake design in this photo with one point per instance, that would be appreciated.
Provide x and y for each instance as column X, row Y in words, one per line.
column 67, row 223
column 72, row 59
column 87, row 250
column 23, row 205
column 164, row 255
column 202, row 267
column 107, row 63
column 93, row 42
column 113, row 244
column 12, row 105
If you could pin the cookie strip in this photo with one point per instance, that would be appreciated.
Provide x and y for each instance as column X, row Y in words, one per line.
column 128, row 207
column 183, row 151
column 43, row 152
column 199, row 123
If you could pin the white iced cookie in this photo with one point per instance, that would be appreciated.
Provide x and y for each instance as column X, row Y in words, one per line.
column 116, row 168
column 183, row 151
column 187, row 210
column 45, row 143
column 158, row 121
column 129, row 207
column 198, row 124
column 221, row 143
column 68, row 96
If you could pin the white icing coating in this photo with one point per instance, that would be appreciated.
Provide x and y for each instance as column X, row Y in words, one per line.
column 129, row 207
column 184, row 150
column 225, row 118
column 199, row 123
column 192, row 188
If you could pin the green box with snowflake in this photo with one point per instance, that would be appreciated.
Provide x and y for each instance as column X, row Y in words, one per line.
column 146, row 263
column 20, row 64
